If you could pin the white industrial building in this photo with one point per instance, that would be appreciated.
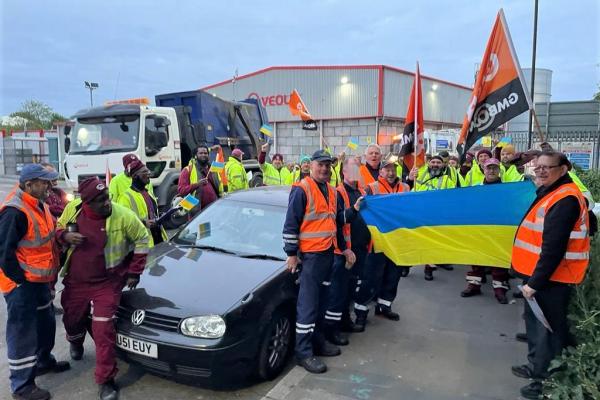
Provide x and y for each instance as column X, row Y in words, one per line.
column 368, row 102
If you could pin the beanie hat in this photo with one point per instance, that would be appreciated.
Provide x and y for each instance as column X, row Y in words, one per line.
column 128, row 158
column 134, row 166
column 90, row 188
column 484, row 151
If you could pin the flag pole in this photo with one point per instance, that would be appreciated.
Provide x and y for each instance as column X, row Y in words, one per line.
column 532, row 110
column 415, row 105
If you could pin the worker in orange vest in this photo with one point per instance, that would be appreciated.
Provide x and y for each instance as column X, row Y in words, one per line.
column 310, row 237
column 551, row 254
column 369, row 171
column 383, row 274
column 27, row 266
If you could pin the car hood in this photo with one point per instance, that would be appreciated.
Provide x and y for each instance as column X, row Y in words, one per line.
column 182, row 281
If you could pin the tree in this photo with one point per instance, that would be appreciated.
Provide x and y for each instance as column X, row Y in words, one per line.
column 39, row 115
column 597, row 95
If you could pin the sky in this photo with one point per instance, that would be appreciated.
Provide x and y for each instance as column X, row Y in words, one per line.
column 141, row 48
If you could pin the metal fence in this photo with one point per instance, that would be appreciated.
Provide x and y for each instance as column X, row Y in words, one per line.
column 582, row 147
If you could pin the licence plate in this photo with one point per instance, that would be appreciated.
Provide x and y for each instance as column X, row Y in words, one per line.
column 137, row 346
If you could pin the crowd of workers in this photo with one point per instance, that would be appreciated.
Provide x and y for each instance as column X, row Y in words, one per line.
column 101, row 241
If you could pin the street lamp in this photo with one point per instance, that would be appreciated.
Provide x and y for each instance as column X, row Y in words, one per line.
column 91, row 86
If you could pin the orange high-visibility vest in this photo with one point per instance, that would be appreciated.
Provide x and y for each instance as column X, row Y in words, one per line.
column 35, row 250
column 318, row 228
column 346, row 228
column 365, row 177
column 528, row 240
column 383, row 187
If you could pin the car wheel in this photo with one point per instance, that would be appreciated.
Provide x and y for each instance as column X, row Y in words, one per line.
column 275, row 346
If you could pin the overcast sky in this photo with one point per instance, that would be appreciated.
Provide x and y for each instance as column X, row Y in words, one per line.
column 135, row 48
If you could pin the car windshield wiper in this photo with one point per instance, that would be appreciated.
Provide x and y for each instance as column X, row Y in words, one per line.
column 262, row 257
column 211, row 248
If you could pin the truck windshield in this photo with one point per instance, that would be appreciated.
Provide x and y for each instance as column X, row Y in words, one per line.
column 99, row 135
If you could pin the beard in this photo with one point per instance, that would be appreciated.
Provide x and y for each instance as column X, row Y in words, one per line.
column 202, row 162
column 435, row 172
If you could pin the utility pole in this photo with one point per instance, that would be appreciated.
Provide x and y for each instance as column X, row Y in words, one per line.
column 91, row 86
column 532, row 88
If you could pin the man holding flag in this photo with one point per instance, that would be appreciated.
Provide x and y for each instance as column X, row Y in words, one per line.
column 274, row 174
column 499, row 93
column 198, row 180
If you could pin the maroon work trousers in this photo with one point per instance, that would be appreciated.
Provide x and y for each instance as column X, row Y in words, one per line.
column 101, row 300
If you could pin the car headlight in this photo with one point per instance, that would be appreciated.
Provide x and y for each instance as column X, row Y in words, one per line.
column 208, row 327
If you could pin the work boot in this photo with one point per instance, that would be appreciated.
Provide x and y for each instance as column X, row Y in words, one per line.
column 387, row 313
column 471, row 290
column 108, row 391
column 76, row 351
column 327, row 349
column 348, row 326
column 521, row 337
column 522, row 371
column 428, row 273
column 32, row 392
column 501, row 295
column 56, row 367
column 532, row 391
column 313, row 365
column 361, row 321
column 404, row 271
column 336, row 337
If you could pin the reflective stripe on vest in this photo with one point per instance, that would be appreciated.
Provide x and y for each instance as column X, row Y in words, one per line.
column 318, row 227
column 383, row 187
column 528, row 240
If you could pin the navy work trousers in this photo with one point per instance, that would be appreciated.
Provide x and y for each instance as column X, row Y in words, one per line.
column 30, row 331
column 311, row 304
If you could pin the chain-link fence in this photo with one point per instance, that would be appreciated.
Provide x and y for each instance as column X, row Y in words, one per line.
column 582, row 147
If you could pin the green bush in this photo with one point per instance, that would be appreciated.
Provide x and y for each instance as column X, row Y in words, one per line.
column 591, row 179
column 578, row 368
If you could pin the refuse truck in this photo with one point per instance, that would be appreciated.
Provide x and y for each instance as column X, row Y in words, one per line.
column 162, row 136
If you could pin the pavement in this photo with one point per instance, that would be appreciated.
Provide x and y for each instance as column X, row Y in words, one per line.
column 444, row 347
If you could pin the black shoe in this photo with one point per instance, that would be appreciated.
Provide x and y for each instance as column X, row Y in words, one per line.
column 360, row 324
column 518, row 294
column 57, row 367
column 76, row 351
column 521, row 337
column 327, row 349
column 32, row 392
column 501, row 298
column 313, row 365
column 447, row 267
column 108, row 391
column 470, row 291
column 387, row 313
column 522, row 371
column 428, row 275
column 405, row 271
column 347, row 325
column 337, row 338
column 533, row 390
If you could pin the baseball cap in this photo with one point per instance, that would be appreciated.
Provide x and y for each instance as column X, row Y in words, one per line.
column 91, row 188
column 30, row 172
column 129, row 158
column 389, row 159
column 237, row 153
column 321, row 155
column 491, row 161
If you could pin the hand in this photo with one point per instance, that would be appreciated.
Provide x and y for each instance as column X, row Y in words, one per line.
column 216, row 147
column 132, row 282
column 528, row 291
column 150, row 223
column 265, row 147
column 358, row 203
column 74, row 238
column 413, row 173
column 350, row 256
column 341, row 157
column 292, row 263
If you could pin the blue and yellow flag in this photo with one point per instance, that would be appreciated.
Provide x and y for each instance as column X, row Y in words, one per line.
column 473, row 226
column 506, row 140
column 189, row 202
column 353, row 144
column 216, row 166
column 267, row 130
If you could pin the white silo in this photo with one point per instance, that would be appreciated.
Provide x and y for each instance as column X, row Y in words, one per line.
column 542, row 94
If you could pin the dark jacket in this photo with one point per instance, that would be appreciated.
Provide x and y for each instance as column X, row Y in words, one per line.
column 360, row 235
column 558, row 223
column 13, row 226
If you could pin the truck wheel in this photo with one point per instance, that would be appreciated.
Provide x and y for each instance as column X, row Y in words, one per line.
column 275, row 345
column 175, row 221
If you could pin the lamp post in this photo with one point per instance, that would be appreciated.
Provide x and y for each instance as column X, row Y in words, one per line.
column 91, row 86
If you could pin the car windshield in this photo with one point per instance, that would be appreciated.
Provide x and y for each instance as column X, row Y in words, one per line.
column 242, row 228
column 105, row 134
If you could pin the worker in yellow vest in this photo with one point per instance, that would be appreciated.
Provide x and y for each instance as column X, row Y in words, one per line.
column 236, row 173
column 510, row 171
column 300, row 173
column 143, row 203
column 276, row 173
column 476, row 176
column 122, row 181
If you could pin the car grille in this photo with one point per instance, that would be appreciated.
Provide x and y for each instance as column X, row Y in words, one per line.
column 156, row 365
column 163, row 367
column 152, row 319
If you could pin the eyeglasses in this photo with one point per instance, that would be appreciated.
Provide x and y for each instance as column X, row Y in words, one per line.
column 545, row 168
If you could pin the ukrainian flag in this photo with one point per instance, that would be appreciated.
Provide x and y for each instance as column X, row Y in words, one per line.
column 189, row 202
column 216, row 166
column 474, row 225
column 267, row 130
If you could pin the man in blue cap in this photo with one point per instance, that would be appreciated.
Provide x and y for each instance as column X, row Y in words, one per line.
column 27, row 266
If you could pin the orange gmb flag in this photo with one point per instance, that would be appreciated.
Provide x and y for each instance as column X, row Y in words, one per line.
column 413, row 123
column 220, row 158
column 297, row 106
column 500, row 93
